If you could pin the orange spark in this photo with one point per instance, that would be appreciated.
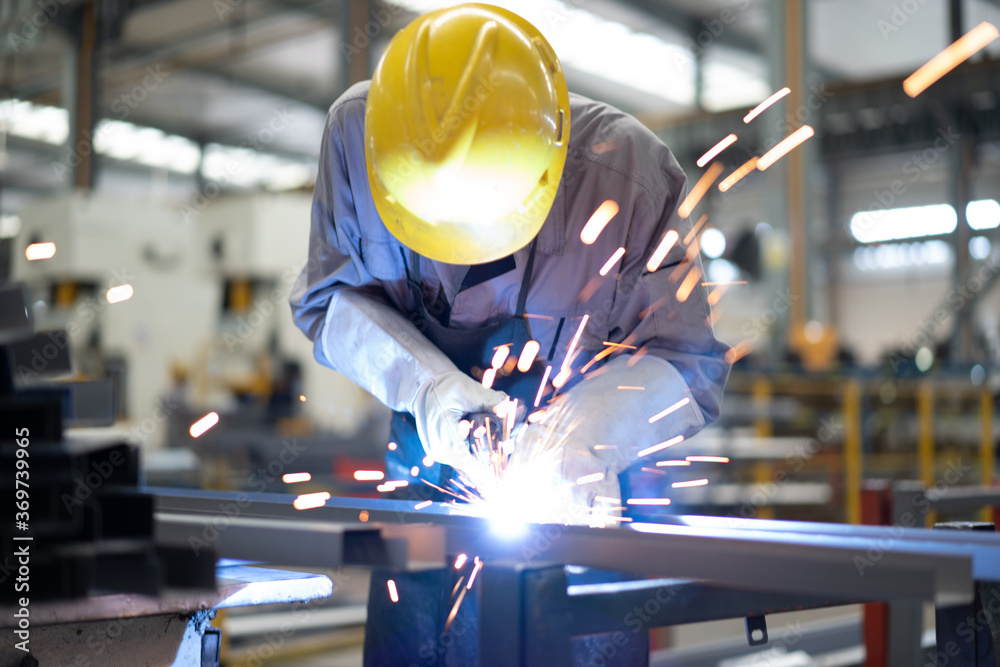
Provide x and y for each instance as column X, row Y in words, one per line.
column 119, row 293
column 735, row 177
column 302, row 398
column 539, row 317
column 606, row 499
column 648, row 501
column 622, row 386
column 488, row 377
column 528, row 355
column 392, row 446
column 393, row 593
column 363, row 516
column 738, row 351
column 472, row 577
column 637, row 356
column 673, row 463
column 715, row 295
column 460, row 561
column 589, row 289
column 673, row 408
column 368, row 475
column 310, row 500
column 589, row 479
column 605, row 147
column 597, row 357
column 757, row 110
column 568, row 359
column 694, row 228
column 731, row 282
column 454, row 610
column 598, row 221
column 541, row 387
column 663, row 445
column 715, row 150
column 295, row 477
column 785, row 146
column 953, row 55
column 699, row 190
column 500, row 356
column 707, row 459
column 621, row 345
column 536, row 416
column 39, row 251
column 203, row 424
column 420, row 506
column 605, row 447
column 693, row 482
column 684, row 291
column 658, row 472
column 612, row 261
column 669, row 239
column 561, row 377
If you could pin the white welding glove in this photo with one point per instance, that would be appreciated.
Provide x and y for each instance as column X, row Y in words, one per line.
column 626, row 410
column 601, row 426
column 438, row 408
column 380, row 350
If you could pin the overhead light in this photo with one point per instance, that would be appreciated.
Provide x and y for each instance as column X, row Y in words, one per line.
column 903, row 223
column 980, row 247
column 983, row 214
column 713, row 243
column 600, row 47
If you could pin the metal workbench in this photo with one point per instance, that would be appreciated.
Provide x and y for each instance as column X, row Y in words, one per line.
column 705, row 567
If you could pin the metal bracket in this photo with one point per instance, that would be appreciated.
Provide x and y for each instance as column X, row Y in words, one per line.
column 756, row 630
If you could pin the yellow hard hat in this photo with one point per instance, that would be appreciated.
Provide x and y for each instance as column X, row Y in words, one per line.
column 466, row 129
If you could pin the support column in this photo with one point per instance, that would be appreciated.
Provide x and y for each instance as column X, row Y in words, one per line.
column 962, row 159
column 80, row 95
column 356, row 43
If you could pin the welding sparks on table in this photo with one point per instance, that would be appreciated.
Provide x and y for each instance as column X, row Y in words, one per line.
column 439, row 232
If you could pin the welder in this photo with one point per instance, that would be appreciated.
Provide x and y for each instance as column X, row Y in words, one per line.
column 451, row 195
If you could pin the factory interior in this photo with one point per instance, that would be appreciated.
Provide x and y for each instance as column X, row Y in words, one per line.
column 188, row 482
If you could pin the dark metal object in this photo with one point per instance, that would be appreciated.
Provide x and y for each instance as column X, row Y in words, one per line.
column 969, row 634
column 756, row 630
column 16, row 321
column 211, row 647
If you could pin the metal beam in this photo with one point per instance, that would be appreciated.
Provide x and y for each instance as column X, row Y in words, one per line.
column 779, row 557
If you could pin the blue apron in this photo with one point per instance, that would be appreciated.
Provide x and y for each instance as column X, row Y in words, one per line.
column 411, row 632
column 467, row 349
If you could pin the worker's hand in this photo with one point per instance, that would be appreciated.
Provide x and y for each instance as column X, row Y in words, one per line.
column 439, row 408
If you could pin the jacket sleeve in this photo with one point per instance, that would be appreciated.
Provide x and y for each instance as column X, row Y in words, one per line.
column 336, row 301
column 675, row 374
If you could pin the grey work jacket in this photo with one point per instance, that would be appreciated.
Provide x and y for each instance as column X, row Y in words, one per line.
column 610, row 156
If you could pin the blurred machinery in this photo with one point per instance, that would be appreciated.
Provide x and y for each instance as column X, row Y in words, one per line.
column 189, row 314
